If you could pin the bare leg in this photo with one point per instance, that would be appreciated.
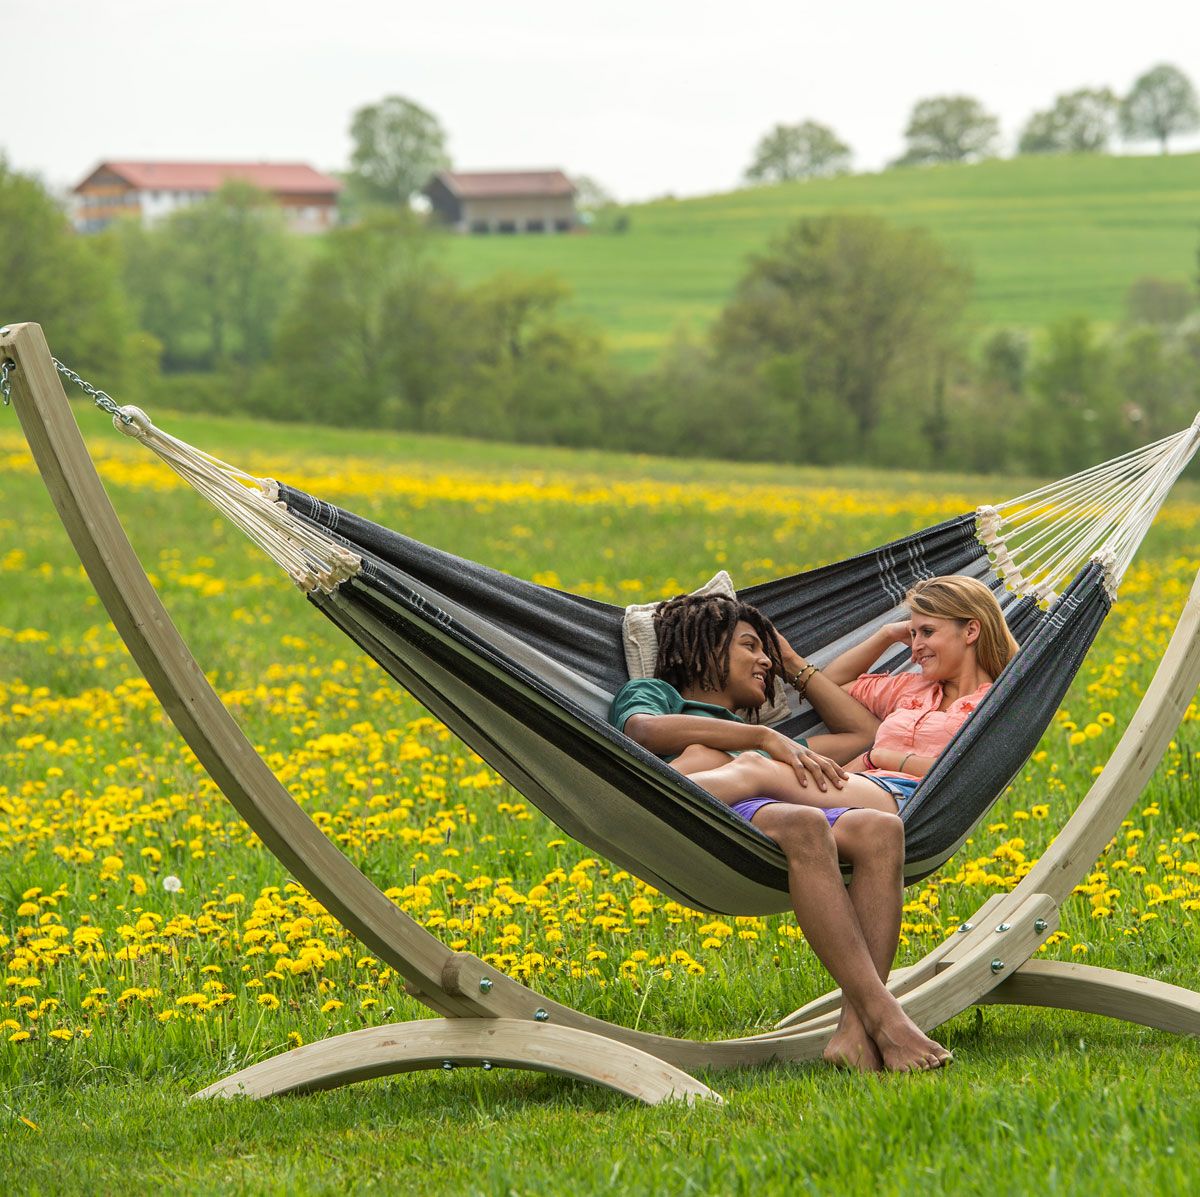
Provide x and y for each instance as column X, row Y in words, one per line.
column 754, row 776
column 872, row 843
column 831, row 926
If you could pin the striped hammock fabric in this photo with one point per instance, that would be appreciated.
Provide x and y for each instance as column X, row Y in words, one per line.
column 524, row 674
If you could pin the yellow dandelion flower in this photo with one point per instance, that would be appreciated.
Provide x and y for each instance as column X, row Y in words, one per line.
column 269, row 1000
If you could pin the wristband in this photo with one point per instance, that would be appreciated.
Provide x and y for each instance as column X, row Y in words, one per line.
column 870, row 764
column 801, row 680
column 904, row 761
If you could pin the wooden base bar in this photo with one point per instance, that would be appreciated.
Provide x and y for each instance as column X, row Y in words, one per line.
column 1065, row 986
column 464, row 1042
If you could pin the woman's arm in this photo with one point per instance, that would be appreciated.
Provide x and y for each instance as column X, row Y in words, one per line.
column 891, row 760
column 857, row 660
column 851, row 726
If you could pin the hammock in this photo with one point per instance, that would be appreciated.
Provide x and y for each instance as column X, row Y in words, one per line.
column 488, row 1017
column 524, row 673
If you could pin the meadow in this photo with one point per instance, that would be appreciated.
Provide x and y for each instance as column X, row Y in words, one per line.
column 150, row 944
column 1045, row 237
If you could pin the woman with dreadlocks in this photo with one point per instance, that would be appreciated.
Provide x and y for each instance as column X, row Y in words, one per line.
column 718, row 656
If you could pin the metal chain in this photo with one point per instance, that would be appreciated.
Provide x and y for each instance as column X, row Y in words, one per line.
column 103, row 401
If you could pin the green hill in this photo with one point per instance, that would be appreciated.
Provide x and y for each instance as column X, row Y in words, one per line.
column 1044, row 236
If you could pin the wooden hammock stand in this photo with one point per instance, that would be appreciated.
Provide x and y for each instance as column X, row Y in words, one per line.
column 487, row 1018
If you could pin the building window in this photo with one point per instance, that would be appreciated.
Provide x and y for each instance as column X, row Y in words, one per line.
column 480, row 226
column 535, row 226
column 506, row 226
column 562, row 226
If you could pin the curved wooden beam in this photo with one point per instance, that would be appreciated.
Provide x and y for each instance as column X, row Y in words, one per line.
column 464, row 1042
column 1065, row 986
column 1098, row 817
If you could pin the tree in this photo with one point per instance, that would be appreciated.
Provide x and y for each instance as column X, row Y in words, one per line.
column 598, row 208
column 69, row 285
column 948, row 129
column 524, row 371
column 1081, row 122
column 212, row 280
column 1162, row 102
column 398, row 148
column 1161, row 301
column 372, row 329
column 805, row 151
column 861, row 309
column 1074, row 418
column 591, row 196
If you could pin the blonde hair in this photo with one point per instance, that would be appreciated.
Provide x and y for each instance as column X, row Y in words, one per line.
column 956, row 597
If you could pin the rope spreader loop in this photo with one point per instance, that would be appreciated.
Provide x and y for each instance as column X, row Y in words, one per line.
column 6, row 368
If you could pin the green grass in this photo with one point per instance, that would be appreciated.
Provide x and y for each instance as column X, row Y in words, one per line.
column 1045, row 237
column 1052, row 1101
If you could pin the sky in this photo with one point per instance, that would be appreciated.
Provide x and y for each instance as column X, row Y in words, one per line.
column 650, row 98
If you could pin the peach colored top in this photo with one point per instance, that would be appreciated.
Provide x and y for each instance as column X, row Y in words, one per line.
column 908, row 705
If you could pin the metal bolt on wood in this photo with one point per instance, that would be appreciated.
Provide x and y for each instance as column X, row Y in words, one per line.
column 485, row 985
column 997, row 966
column 1039, row 925
column 541, row 1015
column 1003, row 927
column 965, row 928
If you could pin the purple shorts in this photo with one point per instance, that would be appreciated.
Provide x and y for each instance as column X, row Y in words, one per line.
column 751, row 806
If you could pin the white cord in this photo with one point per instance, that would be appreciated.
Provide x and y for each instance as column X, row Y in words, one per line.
column 1039, row 541
column 313, row 560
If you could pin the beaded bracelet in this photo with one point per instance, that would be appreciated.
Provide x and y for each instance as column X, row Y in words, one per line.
column 801, row 680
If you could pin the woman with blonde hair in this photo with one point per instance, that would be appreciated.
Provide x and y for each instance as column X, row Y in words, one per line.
column 960, row 643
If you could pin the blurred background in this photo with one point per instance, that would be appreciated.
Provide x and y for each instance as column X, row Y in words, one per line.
column 786, row 233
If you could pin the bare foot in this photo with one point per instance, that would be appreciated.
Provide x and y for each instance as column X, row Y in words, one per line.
column 852, row 1047
column 906, row 1048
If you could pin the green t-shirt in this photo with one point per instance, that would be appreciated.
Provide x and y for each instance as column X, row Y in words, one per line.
column 653, row 696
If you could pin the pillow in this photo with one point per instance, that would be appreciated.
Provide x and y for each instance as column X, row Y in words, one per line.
column 641, row 644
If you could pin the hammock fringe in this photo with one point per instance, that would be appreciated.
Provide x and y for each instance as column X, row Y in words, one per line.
column 313, row 560
column 1040, row 540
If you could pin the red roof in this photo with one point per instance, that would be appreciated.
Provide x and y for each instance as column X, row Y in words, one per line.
column 295, row 178
column 491, row 184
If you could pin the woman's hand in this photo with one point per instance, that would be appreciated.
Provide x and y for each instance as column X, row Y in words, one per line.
column 900, row 632
column 803, row 761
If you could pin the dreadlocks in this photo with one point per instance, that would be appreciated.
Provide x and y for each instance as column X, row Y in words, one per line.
column 694, row 634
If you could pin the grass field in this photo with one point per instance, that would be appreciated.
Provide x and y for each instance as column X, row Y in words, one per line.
column 1045, row 237
column 151, row 945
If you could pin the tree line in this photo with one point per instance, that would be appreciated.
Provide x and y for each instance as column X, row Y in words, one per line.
column 1161, row 104
column 843, row 341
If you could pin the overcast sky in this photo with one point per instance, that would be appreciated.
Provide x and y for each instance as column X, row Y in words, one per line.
column 647, row 96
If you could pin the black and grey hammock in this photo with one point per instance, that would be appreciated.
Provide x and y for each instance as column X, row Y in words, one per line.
column 524, row 674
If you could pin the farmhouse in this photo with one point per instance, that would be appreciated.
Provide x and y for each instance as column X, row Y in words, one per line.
column 504, row 201
column 152, row 190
